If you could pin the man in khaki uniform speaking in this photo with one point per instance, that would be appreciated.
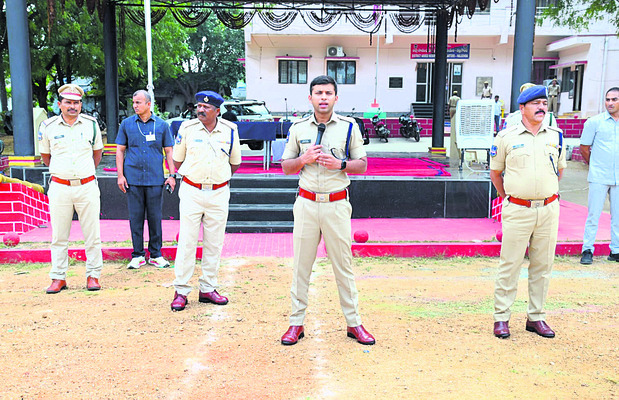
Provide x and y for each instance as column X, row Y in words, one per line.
column 206, row 153
column 71, row 146
column 530, row 156
column 323, row 148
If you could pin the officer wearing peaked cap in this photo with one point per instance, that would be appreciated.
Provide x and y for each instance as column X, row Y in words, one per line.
column 206, row 153
column 71, row 146
column 526, row 165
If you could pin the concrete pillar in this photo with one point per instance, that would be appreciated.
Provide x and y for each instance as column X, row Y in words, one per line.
column 110, row 50
column 523, row 48
column 440, row 81
column 21, row 77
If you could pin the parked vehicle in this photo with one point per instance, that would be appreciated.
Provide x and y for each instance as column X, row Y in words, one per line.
column 247, row 110
column 409, row 127
column 364, row 132
column 380, row 128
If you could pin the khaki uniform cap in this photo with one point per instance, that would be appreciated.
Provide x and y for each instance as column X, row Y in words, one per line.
column 71, row 92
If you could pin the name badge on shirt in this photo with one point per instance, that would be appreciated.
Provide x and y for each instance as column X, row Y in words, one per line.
column 305, row 141
column 517, row 146
column 150, row 138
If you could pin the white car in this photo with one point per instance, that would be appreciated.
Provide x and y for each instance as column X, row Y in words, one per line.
column 247, row 110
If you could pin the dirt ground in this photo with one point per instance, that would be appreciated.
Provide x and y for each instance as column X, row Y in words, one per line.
column 432, row 319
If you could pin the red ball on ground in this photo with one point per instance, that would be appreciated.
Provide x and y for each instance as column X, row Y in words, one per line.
column 11, row 239
column 361, row 236
column 499, row 236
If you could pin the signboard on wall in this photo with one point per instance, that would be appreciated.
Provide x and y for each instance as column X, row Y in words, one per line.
column 457, row 51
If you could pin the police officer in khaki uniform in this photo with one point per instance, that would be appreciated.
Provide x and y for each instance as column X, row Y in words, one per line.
column 206, row 153
column 323, row 148
column 454, row 153
column 71, row 146
column 530, row 156
column 553, row 97
column 486, row 91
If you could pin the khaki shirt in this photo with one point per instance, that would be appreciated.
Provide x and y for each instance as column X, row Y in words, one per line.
column 486, row 92
column 530, row 162
column 453, row 101
column 553, row 90
column 205, row 155
column 70, row 146
column 315, row 177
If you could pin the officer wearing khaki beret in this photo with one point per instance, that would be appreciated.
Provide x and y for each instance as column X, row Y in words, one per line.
column 530, row 156
column 206, row 153
column 322, row 149
column 71, row 146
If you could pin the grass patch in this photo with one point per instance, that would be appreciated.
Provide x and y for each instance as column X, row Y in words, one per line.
column 427, row 308
column 23, row 267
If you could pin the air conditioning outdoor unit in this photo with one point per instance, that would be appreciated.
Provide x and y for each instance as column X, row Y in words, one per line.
column 335, row 51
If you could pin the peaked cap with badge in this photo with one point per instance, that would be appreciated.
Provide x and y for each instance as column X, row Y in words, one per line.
column 71, row 91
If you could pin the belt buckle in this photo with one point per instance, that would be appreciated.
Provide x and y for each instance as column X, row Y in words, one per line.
column 537, row 203
column 322, row 197
column 207, row 186
column 75, row 182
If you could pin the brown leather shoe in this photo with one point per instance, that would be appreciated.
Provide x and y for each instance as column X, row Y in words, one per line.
column 92, row 283
column 292, row 335
column 179, row 302
column 56, row 286
column 501, row 329
column 359, row 333
column 213, row 297
column 541, row 328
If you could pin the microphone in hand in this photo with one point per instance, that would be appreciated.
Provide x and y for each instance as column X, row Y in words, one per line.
column 321, row 131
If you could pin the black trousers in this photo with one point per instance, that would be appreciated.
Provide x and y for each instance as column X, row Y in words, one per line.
column 145, row 202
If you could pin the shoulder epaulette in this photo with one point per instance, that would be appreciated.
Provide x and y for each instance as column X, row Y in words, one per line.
column 89, row 117
column 229, row 124
column 509, row 129
column 304, row 119
column 50, row 120
column 191, row 122
column 347, row 119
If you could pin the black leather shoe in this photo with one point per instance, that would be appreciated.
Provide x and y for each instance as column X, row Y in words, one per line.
column 587, row 257
column 613, row 257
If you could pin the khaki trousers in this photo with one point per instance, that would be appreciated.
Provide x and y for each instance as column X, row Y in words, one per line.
column 454, row 153
column 552, row 105
column 209, row 208
column 86, row 201
column 332, row 221
column 537, row 228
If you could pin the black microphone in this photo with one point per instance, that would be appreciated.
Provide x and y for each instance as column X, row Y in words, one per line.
column 321, row 131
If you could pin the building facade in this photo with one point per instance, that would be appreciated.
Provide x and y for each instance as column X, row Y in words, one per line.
column 394, row 70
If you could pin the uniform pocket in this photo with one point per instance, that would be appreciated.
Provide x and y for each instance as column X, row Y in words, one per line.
column 520, row 157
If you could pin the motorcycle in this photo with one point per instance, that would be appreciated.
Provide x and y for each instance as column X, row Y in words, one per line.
column 409, row 127
column 380, row 128
column 364, row 132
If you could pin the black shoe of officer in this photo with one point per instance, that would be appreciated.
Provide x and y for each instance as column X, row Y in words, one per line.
column 587, row 257
column 613, row 257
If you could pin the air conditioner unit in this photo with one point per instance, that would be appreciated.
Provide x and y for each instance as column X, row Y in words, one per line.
column 335, row 51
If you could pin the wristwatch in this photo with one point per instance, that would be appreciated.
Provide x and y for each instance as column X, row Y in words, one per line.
column 343, row 167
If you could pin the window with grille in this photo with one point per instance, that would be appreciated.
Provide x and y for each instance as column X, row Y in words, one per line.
column 293, row 71
column 344, row 72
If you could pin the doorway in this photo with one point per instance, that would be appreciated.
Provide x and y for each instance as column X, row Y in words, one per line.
column 425, row 81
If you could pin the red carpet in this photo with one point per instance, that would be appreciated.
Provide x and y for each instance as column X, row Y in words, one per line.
column 376, row 167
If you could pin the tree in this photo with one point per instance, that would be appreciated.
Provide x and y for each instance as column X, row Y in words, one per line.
column 72, row 46
column 579, row 14
column 214, row 65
